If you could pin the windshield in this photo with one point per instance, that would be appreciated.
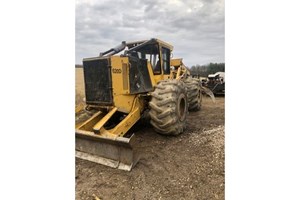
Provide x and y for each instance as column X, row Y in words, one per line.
column 151, row 53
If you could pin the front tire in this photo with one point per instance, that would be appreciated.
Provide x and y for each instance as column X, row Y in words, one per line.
column 169, row 107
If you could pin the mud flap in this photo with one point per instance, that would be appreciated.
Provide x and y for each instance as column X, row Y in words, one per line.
column 115, row 152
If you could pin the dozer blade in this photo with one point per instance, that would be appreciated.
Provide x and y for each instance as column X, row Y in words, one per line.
column 115, row 152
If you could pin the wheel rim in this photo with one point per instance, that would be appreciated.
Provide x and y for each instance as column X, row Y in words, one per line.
column 182, row 108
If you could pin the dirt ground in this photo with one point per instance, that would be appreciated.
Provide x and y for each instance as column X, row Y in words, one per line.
column 189, row 166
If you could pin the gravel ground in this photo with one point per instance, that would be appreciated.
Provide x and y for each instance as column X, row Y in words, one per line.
column 189, row 166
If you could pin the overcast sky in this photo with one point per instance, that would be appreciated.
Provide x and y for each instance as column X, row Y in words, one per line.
column 194, row 27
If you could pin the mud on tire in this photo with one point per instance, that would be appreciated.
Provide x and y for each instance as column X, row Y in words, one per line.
column 169, row 107
column 194, row 94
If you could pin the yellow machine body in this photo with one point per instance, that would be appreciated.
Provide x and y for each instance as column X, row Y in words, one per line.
column 96, row 139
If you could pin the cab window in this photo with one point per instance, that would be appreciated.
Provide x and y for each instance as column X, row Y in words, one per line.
column 151, row 53
column 166, row 60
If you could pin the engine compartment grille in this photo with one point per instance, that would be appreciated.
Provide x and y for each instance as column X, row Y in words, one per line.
column 97, row 80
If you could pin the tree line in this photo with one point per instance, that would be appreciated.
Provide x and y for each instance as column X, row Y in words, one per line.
column 204, row 70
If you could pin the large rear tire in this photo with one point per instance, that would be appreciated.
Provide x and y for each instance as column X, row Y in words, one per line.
column 169, row 107
column 194, row 93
